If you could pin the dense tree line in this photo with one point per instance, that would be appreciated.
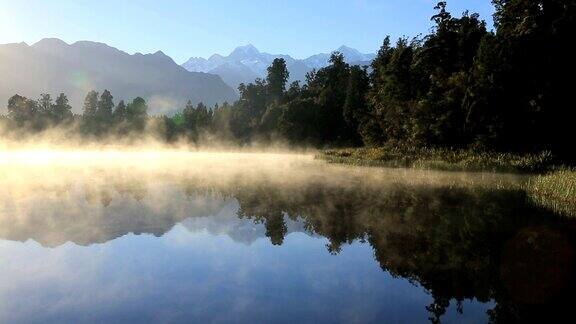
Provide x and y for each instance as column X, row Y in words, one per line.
column 461, row 86
column 39, row 114
column 100, row 117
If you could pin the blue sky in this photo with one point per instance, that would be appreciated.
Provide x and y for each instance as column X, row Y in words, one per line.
column 184, row 28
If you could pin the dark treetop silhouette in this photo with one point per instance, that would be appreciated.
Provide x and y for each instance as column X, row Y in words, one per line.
column 460, row 86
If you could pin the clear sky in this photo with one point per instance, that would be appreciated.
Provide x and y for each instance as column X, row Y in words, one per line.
column 184, row 28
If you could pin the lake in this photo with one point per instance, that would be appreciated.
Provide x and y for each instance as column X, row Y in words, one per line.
column 179, row 237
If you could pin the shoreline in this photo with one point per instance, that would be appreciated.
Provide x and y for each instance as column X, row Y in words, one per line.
column 441, row 159
column 550, row 185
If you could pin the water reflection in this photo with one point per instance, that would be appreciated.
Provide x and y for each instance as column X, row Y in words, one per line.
column 261, row 242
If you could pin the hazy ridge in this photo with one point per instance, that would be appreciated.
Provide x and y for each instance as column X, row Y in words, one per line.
column 53, row 66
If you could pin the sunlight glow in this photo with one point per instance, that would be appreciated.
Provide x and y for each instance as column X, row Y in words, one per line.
column 8, row 32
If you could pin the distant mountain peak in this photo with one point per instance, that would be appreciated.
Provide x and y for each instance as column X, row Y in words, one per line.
column 344, row 47
column 246, row 62
column 50, row 42
column 246, row 51
column 248, row 48
column 348, row 49
column 213, row 57
column 161, row 54
column 82, row 66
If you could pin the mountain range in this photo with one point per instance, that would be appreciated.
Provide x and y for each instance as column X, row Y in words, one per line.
column 246, row 63
column 53, row 66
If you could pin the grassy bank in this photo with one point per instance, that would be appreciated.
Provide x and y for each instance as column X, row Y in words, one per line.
column 440, row 159
column 556, row 190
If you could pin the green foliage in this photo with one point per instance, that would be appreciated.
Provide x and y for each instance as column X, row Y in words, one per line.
column 459, row 87
column 556, row 190
column 276, row 81
column 196, row 120
column 61, row 111
column 418, row 87
column 298, row 122
column 21, row 110
column 38, row 115
column 119, row 114
column 105, row 107
column 355, row 108
column 325, row 111
column 89, row 112
column 103, row 117
column 136, row 115
column 520, row 76
column 390, row 98
column 90, row 104
column 440, row 159
column 178, row 119
column 462, row 86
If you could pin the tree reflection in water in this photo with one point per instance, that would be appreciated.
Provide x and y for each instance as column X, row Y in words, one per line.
column 483, row 242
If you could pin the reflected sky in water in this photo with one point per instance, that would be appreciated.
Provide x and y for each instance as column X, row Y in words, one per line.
column 270, row 238
column 206, row 276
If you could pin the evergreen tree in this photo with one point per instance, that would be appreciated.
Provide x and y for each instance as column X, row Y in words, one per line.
column 61, row 110
column 21, row 110
column 392, row 96
column 105, row 107
column 90, row 104
column 103, row 118
column 248, row 110
column 276, row 80
column 43, row 116
column 520, row 76
column 44, row 103
column 89, row 113
column 136, row 115
column 119, row 114
column 328, row 85
column 190, row 120
column 355, row 107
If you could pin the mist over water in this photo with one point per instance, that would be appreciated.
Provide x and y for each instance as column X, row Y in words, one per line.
column 173, row 235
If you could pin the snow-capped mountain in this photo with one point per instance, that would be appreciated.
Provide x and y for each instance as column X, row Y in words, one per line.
column 199, row 64
column 350, row 54
column 246, row 63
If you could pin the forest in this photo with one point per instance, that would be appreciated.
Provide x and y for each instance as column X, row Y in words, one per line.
column 462, row 86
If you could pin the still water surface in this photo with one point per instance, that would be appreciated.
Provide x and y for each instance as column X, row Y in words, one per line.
column 176, row 237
